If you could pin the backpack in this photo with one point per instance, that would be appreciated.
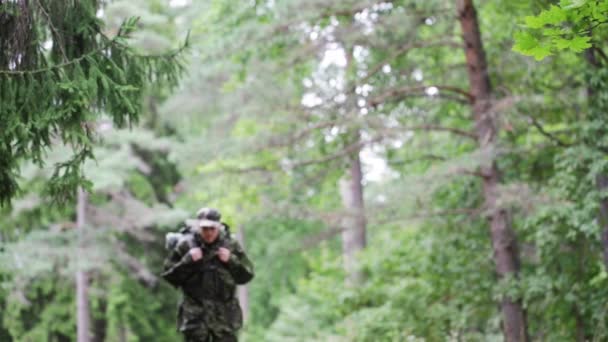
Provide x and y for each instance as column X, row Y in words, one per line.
column 173, row 238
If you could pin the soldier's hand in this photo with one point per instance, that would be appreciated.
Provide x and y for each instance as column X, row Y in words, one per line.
column 223, row 254
column 196, row 253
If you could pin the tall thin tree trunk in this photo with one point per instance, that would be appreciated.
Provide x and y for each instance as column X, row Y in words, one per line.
column 82, row 278
column 580, row 332
column 601, row 180
column 100, row 324
column 122, row 332
column 503, row 237
column 242, row 291
column 354, row 225
column 351, row 189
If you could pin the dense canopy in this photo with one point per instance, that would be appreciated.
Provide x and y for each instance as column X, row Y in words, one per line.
column 396, row 170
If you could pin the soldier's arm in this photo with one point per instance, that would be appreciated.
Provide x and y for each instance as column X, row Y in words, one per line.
column 239, row 265
column 177, row 265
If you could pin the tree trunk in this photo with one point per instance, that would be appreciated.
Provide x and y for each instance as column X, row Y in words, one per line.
column 242, row 290
column 351, row 188
column 82, row 278
column 354, row 225
column 601, row 180
column 503, row 238
column 122, row 332
column 100, row 324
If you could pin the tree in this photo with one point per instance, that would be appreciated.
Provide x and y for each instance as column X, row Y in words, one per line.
column 130, row 176
column 59, row 71
column 504, row 241
column 279, row 99
column 83, row 321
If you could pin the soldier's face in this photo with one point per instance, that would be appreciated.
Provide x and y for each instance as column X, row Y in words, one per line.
column 209, row 234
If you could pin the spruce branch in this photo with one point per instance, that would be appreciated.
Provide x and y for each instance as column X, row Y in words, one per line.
column 547, row 134
column 109, row 43
column 399, row 93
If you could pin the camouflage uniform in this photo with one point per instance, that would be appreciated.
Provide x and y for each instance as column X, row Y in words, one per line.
column 209, row 310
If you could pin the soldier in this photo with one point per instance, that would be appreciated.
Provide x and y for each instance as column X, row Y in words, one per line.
column 207, row 265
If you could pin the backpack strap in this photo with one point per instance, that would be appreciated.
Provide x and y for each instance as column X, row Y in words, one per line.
column 226, row 229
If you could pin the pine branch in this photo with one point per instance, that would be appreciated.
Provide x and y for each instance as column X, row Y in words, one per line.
column 326, row 14
column 136, row 268
column 345, row 152
column 431, row 157
column 400, row 93
column 110, row 42
column 600, row 52
column 438, row 128
column 401, row 51
column 379, row 126
column 547, row 134
column 53, row 29
column 334, row 230
column 301, row 134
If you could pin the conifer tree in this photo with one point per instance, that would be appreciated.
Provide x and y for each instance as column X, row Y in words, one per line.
column 59, row 71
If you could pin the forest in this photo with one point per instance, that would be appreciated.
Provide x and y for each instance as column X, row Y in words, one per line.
column 396, row 170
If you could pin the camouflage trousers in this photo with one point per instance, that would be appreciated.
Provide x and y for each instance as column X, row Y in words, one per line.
column 203, row 335
column 209, row 320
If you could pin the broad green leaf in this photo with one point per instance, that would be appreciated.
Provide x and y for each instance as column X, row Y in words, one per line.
column 579, row 44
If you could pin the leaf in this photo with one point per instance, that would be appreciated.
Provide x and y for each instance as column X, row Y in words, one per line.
column 572, row 4
column 524, row 42
column 562, row 43
column 579, row 44
column 540, row 52
column 527, row 44
column 553, row 32
column 534, row 22
column 553, row 16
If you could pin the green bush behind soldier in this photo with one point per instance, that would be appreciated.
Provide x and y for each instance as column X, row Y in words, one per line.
column 207, row 265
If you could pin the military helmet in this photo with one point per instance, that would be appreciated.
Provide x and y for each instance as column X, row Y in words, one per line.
column 209, row 214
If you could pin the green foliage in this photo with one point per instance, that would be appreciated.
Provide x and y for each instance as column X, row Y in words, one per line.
column 153, row 318
column 38, row 262
column 237, row 136
column 565, row 27
column 271, row 243
column 43, row 311
column 59, row 95
column 410, row 292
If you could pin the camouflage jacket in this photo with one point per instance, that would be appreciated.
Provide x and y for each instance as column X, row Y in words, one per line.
column 208, row 285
